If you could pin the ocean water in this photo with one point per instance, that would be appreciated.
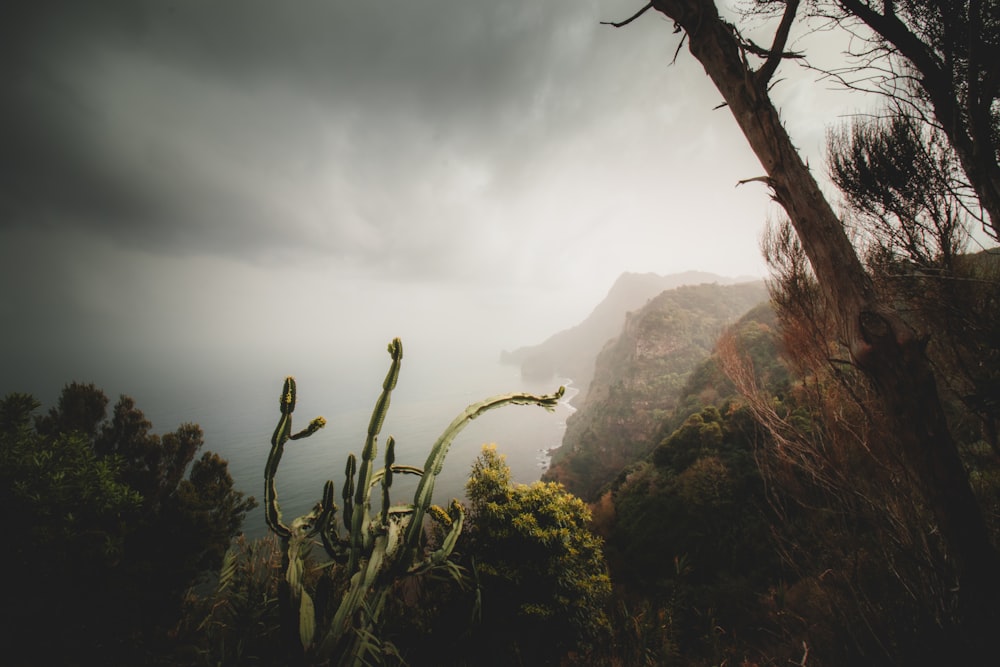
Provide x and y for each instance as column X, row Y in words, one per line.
column 238, row 413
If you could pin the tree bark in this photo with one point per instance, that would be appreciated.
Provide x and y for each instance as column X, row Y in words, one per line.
column 882, row 345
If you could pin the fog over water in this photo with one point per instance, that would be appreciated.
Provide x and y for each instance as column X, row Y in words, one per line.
column 238, row 418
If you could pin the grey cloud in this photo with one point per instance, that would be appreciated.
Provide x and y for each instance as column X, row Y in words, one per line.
column 173, row 173
column 202, row 127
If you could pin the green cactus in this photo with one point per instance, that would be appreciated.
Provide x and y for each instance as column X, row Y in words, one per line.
column 376, row 550
column 282, row 434
column 294, row 538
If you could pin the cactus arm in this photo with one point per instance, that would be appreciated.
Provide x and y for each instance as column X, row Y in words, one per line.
column 315, row 425
column 435, row 460
column 382, row 404
column 360, row 520
column 359, row 516
column 349, row 491
column 286, row 404
column 440, row 555
column 334, row 545
column 396, row 470
column 390, row 458
column 282, row 434
column 457, row 513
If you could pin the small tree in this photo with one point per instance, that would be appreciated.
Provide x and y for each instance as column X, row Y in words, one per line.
column 542, row 572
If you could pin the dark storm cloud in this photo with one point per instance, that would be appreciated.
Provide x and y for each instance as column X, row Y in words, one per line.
column 259, row 129
column 184, row 182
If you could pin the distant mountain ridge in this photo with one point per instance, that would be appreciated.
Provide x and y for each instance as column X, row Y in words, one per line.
column 571, row 353
column 639, row 377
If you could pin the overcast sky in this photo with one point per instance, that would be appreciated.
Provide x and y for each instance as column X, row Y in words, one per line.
column 252, row 179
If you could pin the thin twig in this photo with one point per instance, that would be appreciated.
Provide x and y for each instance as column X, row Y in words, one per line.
column 762, row 179
column 624, row 23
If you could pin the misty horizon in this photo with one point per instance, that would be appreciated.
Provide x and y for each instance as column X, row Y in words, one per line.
column 189, row 196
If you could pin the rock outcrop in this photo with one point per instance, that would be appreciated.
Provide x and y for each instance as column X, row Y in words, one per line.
column 571, row 352
column 638, row 377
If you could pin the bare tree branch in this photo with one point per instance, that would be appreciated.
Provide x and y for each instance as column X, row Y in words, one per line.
column 760, row 179
column 758, row 50
column 624, row 23
column 770, row 66
column 677, row 51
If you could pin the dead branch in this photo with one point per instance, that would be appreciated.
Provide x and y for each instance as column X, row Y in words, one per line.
column 770, row 66
column 624, row 23
column 761, row 179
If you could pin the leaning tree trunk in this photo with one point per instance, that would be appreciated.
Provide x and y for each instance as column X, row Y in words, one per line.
column 882, row 345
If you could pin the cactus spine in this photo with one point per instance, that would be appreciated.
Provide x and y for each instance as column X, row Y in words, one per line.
column 377, row 550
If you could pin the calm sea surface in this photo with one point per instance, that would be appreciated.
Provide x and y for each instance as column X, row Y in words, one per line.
column 239, row 415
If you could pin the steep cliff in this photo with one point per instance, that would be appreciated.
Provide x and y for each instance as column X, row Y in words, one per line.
column 571, row 352
column 638, row 377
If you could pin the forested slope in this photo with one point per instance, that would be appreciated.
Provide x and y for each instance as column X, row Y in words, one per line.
column 771, row 518
column 638, row 377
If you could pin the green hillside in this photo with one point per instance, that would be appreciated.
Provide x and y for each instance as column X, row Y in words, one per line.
column 638, row 378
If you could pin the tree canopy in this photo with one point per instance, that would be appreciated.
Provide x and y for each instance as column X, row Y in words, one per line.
column 102, row 516
column 542, row 572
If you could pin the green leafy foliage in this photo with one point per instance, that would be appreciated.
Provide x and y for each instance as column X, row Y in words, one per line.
column 57, row 493
column 101, row 515
column 698, row 504
column 543, row 579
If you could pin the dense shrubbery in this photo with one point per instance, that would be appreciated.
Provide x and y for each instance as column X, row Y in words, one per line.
column 105, row 532
column 787, row 518
column 542, row 573
column 689, row 533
